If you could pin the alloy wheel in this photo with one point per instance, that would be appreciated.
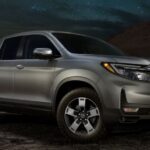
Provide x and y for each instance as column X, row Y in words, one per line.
column 82, row 116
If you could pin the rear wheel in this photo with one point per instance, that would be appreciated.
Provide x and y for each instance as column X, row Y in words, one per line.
column 79, row 115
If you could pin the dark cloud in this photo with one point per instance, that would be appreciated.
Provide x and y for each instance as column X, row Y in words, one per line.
column 96, row 17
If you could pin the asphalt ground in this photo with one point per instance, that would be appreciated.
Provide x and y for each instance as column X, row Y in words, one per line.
column 19, row 132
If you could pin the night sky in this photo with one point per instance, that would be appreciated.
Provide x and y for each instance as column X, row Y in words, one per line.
column 101, row 18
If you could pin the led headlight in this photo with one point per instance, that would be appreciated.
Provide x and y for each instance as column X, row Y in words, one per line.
column 132, row 72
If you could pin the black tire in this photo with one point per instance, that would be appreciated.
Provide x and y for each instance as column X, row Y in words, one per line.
column 70, row 99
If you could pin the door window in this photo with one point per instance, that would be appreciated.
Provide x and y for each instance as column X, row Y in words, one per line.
column 38, row 41
column 10, row 48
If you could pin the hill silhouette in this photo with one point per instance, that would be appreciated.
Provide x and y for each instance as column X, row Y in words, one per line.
column 134, row 41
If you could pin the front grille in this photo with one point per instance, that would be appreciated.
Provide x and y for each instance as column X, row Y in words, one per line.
column 144, row 111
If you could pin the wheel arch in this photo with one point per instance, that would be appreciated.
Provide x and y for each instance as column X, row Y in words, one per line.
column 69, row 84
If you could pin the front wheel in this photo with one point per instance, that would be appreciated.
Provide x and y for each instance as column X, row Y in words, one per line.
column 79, row 115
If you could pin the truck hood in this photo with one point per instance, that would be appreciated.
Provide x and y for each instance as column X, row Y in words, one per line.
column 132, row 60
column 117, row 59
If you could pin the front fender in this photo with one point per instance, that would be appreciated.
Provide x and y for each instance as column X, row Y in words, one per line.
column 86, row 76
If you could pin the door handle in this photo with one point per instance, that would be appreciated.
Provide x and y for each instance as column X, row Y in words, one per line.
column 19, row 67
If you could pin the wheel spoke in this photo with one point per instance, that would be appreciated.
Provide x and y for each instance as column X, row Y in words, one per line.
column 93, row 112
column 75, row 125
column 88, row 126
column 82, row 102
column 82, row 116
column 70, row 111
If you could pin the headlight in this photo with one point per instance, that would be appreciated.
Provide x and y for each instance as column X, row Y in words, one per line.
column 132, row 72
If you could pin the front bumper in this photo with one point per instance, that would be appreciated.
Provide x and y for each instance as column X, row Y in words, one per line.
column 116, row 93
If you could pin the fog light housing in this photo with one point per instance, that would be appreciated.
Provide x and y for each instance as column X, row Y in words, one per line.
column 130, row 110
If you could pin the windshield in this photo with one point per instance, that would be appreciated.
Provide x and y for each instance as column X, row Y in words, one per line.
column 86, row 45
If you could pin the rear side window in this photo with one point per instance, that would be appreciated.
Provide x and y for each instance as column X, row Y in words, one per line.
column 10, row 48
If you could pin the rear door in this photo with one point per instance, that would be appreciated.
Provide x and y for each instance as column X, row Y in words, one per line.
column 8, row 54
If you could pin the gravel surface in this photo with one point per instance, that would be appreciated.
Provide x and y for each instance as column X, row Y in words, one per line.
column 30, row 133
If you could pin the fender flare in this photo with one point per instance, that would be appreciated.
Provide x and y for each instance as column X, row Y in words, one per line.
column 56, row 88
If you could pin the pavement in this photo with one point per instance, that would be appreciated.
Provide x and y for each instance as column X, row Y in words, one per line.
column 18, row 132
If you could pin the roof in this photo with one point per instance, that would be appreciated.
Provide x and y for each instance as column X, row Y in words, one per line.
column 45, row 32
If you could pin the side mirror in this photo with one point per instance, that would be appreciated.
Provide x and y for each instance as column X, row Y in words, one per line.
column 43, row 53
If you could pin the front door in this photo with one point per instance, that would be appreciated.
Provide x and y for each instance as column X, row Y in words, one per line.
column 33, row 77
